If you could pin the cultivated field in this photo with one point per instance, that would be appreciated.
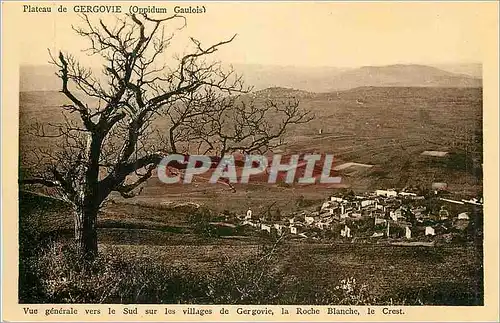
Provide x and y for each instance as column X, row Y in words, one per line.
column 389, row 130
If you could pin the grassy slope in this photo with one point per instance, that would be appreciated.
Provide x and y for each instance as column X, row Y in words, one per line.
column 139, row 233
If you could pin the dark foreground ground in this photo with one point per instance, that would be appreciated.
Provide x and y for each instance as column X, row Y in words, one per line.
column 152, row 255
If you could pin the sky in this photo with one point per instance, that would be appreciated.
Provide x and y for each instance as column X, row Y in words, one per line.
column 305, row 34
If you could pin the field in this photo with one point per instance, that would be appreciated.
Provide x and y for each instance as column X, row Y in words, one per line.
column 388, row 128
column 445, row 274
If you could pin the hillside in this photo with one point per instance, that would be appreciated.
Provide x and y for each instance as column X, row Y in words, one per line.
column 310, row 79
column 469, row 69
column 401, row 76
column 389, row 130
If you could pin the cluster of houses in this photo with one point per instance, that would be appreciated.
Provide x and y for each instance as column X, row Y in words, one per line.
column 379, row 214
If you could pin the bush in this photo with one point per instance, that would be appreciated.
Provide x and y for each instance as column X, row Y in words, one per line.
column 260, row 279
column 200, row 222
column 112, row 279
column 32, row 238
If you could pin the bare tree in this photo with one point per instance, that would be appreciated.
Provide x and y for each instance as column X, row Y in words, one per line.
column 123, row 122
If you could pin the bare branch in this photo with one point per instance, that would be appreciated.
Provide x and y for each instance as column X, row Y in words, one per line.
column 138, row 109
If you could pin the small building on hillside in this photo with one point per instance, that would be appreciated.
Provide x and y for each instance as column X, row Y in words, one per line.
column 367, row 202
column 326, row 205
column 463, row 216
column 346, row 232
column 407, row 233
column 396, row 214
column 321, row 225
column 429, row 231
column 248, row 216
column 265, row 227
column 386, row 193
column 336, row 199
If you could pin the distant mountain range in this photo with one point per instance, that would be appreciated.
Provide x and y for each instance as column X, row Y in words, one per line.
column 329, row 79
column 401, row 75
column 312, row 79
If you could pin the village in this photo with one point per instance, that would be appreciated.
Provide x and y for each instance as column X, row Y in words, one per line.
column 378, row 216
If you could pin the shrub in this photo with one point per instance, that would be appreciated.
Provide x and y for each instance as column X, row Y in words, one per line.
column 59, row 277
column 112, row 279
column 200, row 222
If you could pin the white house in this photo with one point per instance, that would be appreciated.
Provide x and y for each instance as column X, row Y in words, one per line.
column 293, row 230
column 325, row 205
column 429, row 231
column 396, row 214
column 391, row 193
column 309, row 220
column 393, row 216
column 367, row 202
column 336, row 199
column 346, row 232
column 265, row 227
column 387, row 193
column 344, row 215
column 249, row 215
column 320, row 225
column 377, row 234
column 407, row 233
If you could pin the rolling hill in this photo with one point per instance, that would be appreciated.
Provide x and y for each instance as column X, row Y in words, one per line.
column 401, row 76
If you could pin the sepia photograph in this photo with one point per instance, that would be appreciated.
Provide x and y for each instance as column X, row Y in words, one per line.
column 289, row 153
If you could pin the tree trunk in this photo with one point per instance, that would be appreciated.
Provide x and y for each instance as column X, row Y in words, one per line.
column 87, row 201
column 86, row 232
